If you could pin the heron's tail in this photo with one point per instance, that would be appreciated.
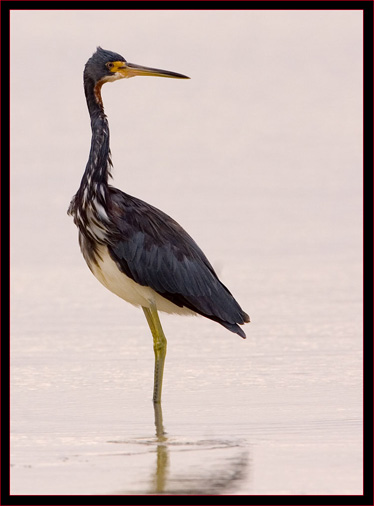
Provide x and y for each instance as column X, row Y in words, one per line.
column 234, row 327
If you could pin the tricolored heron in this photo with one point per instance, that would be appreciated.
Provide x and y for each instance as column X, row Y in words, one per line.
column 135, row 250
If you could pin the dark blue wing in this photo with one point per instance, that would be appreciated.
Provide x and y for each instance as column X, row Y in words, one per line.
column 154, row 250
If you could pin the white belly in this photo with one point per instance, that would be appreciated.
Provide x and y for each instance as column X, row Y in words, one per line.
column 117, row 282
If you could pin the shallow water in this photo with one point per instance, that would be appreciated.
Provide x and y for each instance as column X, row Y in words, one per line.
column 279, row 413
column 262, row 164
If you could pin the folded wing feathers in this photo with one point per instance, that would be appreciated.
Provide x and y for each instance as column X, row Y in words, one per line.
column 155, row 251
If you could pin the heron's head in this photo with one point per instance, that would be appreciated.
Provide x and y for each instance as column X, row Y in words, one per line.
column 106, row 66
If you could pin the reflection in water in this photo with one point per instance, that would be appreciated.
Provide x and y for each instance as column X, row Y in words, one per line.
column 185, row 466
column 162, row 453
column 225, row 473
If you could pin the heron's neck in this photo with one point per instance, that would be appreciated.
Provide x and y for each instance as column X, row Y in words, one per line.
column 95, row 177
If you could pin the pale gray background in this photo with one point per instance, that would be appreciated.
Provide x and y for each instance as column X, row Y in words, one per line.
column 259, row 157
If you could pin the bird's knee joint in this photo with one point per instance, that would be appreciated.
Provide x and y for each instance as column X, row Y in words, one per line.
column 159, row 347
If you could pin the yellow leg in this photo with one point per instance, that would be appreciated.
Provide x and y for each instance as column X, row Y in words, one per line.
column 159, row 347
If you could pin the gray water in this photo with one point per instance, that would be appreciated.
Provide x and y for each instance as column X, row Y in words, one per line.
column 259, row 157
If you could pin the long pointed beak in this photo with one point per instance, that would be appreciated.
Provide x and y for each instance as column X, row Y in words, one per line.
column 132, row 70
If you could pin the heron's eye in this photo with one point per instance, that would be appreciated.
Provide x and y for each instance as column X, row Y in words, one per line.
column 109, row 65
